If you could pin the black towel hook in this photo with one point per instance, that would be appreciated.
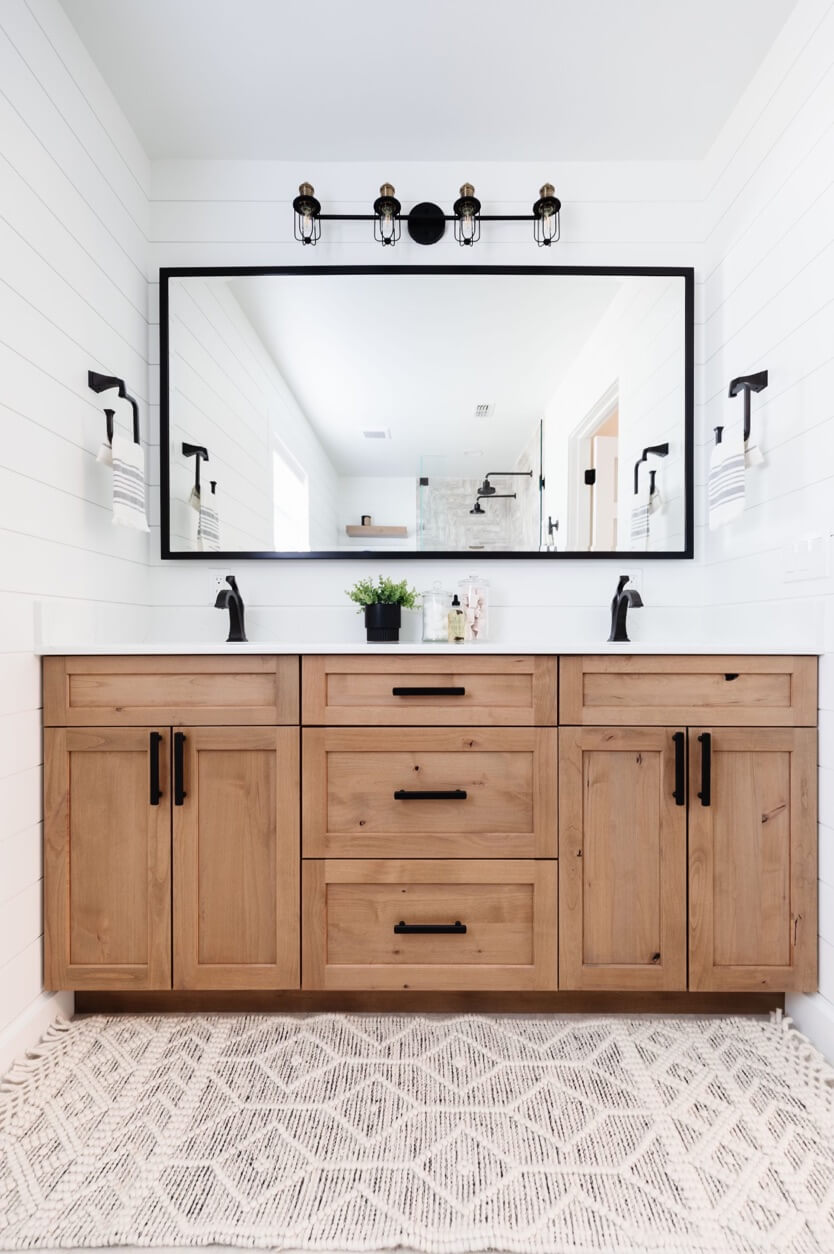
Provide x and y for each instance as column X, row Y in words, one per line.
column 102, row 383
column 200, row 454
column 748, row 383
column 656, row 450
column 719, row 434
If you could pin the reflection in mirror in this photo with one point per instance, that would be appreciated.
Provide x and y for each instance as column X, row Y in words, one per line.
column 430, row 412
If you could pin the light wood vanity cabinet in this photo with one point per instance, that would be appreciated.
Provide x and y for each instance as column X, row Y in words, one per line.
column 433, row 825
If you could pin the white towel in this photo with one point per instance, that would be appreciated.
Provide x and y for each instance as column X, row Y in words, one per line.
column 105, row 454
column 656, row 501
column 726, row 482
column 640, row 511
column 129, row 484
column 208, row 527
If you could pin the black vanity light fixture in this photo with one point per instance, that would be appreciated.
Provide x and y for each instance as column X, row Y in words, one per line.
column 426, row 221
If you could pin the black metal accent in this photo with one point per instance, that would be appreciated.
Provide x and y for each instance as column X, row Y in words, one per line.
column 430, row 794
column 623, row 600
column 590, row 477
column 200, row 454
column 103, row 383
column 687, row 273
column 430, row 929
column 680, row 768
column 719, row 434
column 730, row 676
column 656, row 450
column 230, row 599
column 427, row 223
column 705, row 741
column 179, row 768
column 748, row 383
column 428, row 692
column 109, row 420
column 424, row 481
column 156, row 791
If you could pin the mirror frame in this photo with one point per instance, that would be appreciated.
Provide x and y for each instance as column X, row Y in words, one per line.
column 687, row 273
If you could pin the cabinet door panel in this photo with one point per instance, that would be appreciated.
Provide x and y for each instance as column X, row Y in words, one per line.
column 622, row 854
column 236, row 860
column 107, row 860
column 752, row 894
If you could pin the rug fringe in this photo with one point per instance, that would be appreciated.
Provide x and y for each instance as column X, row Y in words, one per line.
column 30, row 1071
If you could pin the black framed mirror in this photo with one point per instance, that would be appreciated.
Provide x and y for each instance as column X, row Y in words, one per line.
column 426, row 411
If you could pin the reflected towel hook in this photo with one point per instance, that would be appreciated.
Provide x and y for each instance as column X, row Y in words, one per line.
column 656, row 450
column 213, row 486
column 719, row 434
column 748, row 383
column 103, row 383
column 200, row 454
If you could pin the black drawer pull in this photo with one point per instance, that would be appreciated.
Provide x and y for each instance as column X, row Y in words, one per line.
column 680, row 769
column 179, row 769
column 156, row 791
column 428, row 692
column 430, row 929
column 705, row 741
column 431, row 794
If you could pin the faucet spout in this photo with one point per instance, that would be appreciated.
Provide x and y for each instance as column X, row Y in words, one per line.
column 231, row 600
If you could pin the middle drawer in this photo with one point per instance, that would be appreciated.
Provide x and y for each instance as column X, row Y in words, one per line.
column 429, row 793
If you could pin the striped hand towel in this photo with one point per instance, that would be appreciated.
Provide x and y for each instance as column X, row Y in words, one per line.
column 129, row 484
column 726, row 483
column 208, row 528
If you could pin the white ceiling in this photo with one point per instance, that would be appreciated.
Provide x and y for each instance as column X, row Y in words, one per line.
column 475, row 80
column 414, row 355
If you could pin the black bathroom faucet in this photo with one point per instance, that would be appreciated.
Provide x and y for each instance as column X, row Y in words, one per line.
column 623, row 599
column 231, row 600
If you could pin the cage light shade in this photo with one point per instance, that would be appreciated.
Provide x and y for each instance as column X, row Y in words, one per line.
column 467, row 211
column 387, row 208
column 306, row 211
column 546, row 221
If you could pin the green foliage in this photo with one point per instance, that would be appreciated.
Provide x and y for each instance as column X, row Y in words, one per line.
column 384, row 592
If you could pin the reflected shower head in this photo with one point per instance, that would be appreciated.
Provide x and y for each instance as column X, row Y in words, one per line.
column 477, row 508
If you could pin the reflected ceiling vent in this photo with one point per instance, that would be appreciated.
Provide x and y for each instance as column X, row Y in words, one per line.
column 484, row 410
column 377, row 433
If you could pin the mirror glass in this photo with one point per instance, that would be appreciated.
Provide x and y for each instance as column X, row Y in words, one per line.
column 427, row 412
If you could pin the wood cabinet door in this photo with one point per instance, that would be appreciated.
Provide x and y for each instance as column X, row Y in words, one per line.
column 107, row 858
column 236, row 857
column 622, row 858
column 752, row 859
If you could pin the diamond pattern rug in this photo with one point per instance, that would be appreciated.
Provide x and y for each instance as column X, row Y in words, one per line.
column 442, row 1134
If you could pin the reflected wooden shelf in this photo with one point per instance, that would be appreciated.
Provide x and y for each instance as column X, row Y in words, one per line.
column 353, row 530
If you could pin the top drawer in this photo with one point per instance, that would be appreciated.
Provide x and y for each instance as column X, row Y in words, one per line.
column 182, row 691
column 725, row 691
column 445, row 690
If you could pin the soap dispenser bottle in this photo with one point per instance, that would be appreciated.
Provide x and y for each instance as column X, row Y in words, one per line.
column 457, row 622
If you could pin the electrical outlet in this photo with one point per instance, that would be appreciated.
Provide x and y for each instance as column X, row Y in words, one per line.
column 217, row 582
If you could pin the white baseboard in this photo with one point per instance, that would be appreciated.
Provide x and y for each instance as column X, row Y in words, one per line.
column 27, row 1029
column 814, row 1016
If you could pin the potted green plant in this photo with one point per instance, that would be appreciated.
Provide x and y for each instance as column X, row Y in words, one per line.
column 382, row 602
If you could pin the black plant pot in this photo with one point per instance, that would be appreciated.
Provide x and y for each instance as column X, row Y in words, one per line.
column 382, row 622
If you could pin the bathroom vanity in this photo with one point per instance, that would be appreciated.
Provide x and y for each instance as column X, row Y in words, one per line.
column 393, row 828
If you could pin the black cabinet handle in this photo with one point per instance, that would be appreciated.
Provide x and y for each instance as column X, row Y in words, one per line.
column 431, row 794
column 705, row 741
column 430, row 929
column 179, row 769
column 156, row 791
column 428, row 692
column 680, row 769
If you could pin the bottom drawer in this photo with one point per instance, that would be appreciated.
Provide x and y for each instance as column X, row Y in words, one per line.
column 419, row 924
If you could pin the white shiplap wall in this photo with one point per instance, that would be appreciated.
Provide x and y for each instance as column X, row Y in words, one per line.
column 769, row 278
column 73, row 296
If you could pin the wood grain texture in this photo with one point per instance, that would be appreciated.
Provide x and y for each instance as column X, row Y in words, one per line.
column 350, row 776
column 346, row 690
column 622, row 853
column 107, row 861
column 753, row 862
column 728, row 690
column 236, row 860
column 351, row 908
column 207, row 690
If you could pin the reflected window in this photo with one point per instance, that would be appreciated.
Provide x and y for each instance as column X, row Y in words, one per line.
column 291, row 495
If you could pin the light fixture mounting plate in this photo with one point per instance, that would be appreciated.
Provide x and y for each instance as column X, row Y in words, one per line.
column 426, row 223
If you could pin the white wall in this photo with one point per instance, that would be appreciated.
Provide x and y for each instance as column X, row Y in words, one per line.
column 73, row 296
column 769, row 276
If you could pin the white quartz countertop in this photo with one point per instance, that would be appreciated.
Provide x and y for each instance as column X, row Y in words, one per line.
column 180, row 647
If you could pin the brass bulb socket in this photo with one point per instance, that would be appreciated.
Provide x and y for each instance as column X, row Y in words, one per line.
column 387, row 189
column 547, row 191
column 467, row 190
column 306, row 189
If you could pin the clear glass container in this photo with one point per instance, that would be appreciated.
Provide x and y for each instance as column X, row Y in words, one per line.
column 474, row 597
column 436, row 602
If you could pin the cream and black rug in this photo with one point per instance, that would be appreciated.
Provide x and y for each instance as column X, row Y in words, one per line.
column 368, row 1132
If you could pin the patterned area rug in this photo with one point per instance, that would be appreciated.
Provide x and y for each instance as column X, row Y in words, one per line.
column 369, row 1132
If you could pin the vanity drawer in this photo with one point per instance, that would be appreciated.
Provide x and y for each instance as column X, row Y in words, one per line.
column 429, row 924
column 444, row 690
column 374, row 793
column 726, row 691
column 145, row 691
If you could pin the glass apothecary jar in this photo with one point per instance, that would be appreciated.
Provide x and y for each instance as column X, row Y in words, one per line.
column 436, row 602
column 474, row 597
